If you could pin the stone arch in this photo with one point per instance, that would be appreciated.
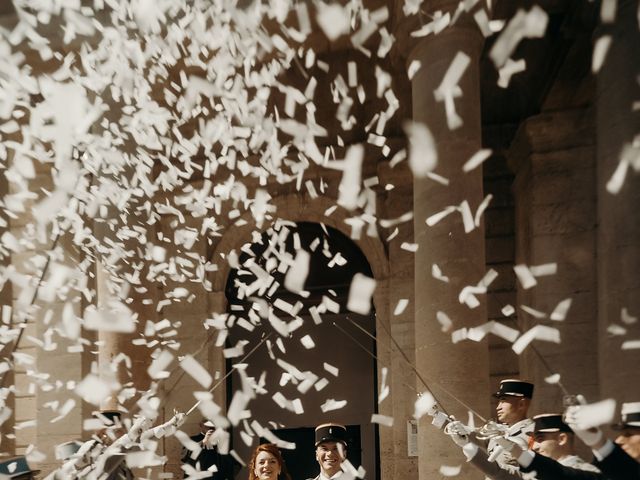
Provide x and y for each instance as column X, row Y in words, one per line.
column 297, row 208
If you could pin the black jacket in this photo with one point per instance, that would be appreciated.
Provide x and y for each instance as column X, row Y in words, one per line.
column 619, row 465
column 206, row 458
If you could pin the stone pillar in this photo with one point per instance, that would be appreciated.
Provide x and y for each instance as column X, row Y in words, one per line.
column 109, row 342
column 618, row 220
column 553, row 156
column 395, row 458
column 463, row 369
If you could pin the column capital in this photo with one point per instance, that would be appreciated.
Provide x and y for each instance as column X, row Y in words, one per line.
column 408, row 48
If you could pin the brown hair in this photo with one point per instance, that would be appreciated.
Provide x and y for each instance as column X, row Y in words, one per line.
column 273, row 450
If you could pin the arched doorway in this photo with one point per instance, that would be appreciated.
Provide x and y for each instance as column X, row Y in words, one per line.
column 308, row 366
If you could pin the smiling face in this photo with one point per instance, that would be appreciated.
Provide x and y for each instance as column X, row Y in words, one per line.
column 329, row 456
column 267, row 466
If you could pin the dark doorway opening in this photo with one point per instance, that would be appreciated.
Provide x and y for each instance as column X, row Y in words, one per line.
column 301, row 463
column 331, row 378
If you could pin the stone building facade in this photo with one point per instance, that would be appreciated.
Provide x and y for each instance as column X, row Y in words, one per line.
column 556, row 136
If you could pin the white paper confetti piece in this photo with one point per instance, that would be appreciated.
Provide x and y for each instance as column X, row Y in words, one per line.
column 331, row 405
column 92, row 389
column 533, row 312
column 349, row 188
column 626, row 317
column 360, row 294
column 467, row 217
column 508, row 310
column 510, row 68
column 191, row 366
column 331, row 369
column 502, row 331
column 448, row 89
column 458, row 335
column 423, row 404
column 477, row 159
column 333, row 19
column 436, row 217
column 297, row 274
column 444, row 321
column 538, row 332
column 450, row 470
column 553, row 379
column 526, row 278
column 384, row 388
column 608, row 10
column 616, row 330
column 158, row 366
column 630, row 345
column 409, row 247
column 543, row 270
column 307, row 342
column 400, row 306
column 116, row 317
column 423, row 156
column 436, row 273
column 532, row 24
column 600, row 50
column 560, row 312
column 481, row 208
column 383, row 420
column 414, row 66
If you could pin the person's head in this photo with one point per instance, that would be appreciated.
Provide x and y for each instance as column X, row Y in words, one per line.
column 112, row 426
column 17, row 468
column 206, row 425
column 552, row 437
column 629, row 429
column 331, row 447
column 267, row 464
column 514, row 398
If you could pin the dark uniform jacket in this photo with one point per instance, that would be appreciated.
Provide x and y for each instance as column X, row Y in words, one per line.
column 206, row 458
column 618, row 465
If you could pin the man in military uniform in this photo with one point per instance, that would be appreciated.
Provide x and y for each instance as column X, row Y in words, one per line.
column 553, row 438
column 514, row 398
column 331, row 450
column 553, row 450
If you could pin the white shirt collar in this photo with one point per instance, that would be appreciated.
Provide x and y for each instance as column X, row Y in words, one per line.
column 324, row 477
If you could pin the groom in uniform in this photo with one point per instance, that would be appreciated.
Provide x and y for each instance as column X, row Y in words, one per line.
column 331, row 450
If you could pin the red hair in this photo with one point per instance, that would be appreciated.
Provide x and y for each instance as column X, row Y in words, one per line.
column 273, row 450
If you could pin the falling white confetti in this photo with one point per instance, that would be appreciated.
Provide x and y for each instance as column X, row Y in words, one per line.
column 423, row 156
column 539, row 332
column 360, row 294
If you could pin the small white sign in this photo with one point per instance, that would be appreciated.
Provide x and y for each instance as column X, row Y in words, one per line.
column 412, row 438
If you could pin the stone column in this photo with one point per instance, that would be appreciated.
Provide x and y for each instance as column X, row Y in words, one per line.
column 618, row 220
column 553, row 155
column 109, row 342
column 396, row 461
column 463, row 369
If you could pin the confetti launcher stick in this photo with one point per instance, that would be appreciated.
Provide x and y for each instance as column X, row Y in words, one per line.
column 546, row 365
column 371, row 354
column 251, row 352
column 415, row 370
